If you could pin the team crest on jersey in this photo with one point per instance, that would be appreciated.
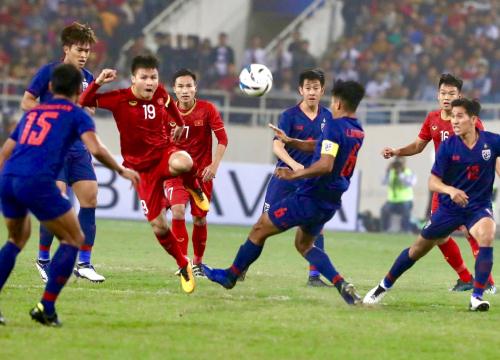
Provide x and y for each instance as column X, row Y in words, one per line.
column 434, row 128
column 172, row 124
column 160, row 101
column 198, row 123
column 85, row 85
column 323, row 123
column 132, row 103
column 486, row 154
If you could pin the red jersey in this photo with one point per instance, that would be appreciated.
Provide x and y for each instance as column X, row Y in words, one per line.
column 142, row 124
column 436, row 129
column 200, row 121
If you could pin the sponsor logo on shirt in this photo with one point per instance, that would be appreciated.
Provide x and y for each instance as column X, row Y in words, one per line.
column 299, row 127
column 132, row 103
column 455, row 158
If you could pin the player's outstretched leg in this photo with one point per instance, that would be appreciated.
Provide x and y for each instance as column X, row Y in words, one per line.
column 453, row 257
column 247, row 254
column 314, row 279
column 490, row 287
column 403, row 262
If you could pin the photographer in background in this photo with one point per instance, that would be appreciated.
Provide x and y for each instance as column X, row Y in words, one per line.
column 399, row 181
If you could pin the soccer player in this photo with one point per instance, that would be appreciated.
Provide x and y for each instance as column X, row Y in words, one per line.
column 316, row 200
column 463, row 175
column 437, row 127
column 201, row 119
column 142, row 114
column 78, row 171
column 28, row 182
column 304, row 121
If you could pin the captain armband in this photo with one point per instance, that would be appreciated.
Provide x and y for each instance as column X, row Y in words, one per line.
column 329, row 148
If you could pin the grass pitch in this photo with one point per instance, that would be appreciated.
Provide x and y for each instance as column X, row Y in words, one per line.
column 141, row 313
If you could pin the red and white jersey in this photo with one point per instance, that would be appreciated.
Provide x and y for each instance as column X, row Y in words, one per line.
column 436, row 129
column 200, row 121
column 142, row 124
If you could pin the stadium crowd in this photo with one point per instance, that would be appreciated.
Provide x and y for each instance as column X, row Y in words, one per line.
column 397, row 50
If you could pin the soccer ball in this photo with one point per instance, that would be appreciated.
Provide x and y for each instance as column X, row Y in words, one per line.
column 256, row 80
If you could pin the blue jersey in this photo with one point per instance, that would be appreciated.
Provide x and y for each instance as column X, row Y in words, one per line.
column 297, row 125
column 470, row 170
column 341, row 138
column 39, row 88
column 43, row 137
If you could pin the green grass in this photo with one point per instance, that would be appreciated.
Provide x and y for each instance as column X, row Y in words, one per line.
column 141, row 313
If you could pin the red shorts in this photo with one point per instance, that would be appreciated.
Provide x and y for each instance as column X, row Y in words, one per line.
column 176, row 194
column 150, row 188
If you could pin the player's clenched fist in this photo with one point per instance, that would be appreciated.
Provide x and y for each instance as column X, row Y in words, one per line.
column 280, row 134
column 459, row 197
column 389, row 152
column 284, row 173
column 106, row 76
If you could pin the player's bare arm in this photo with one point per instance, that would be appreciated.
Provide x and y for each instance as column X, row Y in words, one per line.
column 302, row 145
column 211, row 170
column 321, row 167
column 29, row 101
column 457, row 196
column 101, row 153
column 280, row 151
column 6, row 151
column 413, row 148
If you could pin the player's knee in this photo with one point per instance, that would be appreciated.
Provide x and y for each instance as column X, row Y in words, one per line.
column 302, row 247
column 180, row 162
column 485, row 237
column 76, row 239
column 199, row 221
column 160, row 228
column 178, row 212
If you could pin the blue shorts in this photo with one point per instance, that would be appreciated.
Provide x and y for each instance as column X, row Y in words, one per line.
column 277, row 190
column 443, row 222
column 77, row 167
column 300, row 210
column 41, row 196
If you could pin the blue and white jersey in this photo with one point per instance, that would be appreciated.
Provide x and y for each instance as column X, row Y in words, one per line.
column 297, row 125
column 470, row 170
column 39, row 88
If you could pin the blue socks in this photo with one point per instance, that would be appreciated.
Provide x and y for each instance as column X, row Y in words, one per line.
column 60, row 270
column 86, row 217
column 46, row 238
column 321, row 261
column 247, row 254
column 402, row 263
column 484, row 264
column 8, row 255
column 320, row 244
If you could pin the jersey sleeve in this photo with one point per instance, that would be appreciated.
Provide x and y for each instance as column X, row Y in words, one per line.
column 15, row 134
column 40, row 82
column 217, row 125
column 330, row 141
column 425, row 130
column 91, row 98
column 441, row 161
column 84, row 122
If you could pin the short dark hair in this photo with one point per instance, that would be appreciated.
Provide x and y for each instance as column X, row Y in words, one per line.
column 77, row 33
column 144, row 62
column 472, row 107
column 66, row 80
column 312, row 74
column 349, row 92
column 449, row 79
column 183, row 72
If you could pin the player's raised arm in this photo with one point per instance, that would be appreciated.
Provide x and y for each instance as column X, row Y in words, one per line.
column 101, row 153
column 413, row 148
column 90, row 98
column 29, row 101
column 302, row 145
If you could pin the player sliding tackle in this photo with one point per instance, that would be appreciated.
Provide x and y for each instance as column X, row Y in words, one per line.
column 463, row 175
column 316, row 201
column 142, row 113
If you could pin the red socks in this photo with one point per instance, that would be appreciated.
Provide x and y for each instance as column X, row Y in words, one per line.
column 169, row 243
column 452, row 255
column 199, row 242
column 180, row 231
